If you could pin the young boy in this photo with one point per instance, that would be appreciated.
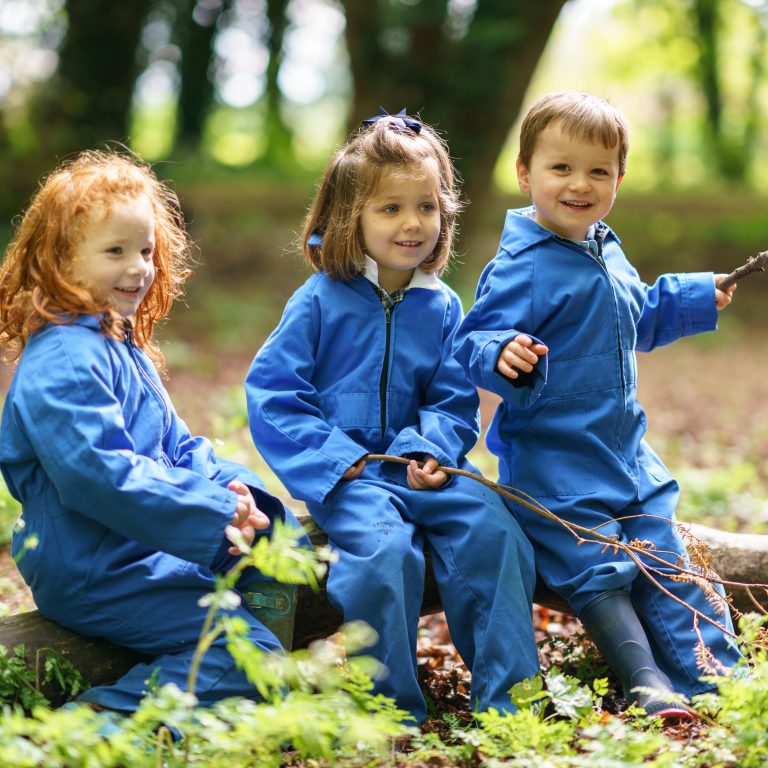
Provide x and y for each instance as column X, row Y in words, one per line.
column 558, row 316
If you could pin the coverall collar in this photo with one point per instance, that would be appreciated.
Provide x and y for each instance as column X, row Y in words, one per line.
column 522, row 231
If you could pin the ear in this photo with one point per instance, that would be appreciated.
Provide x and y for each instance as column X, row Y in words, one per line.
column 522, row 177
column 618, row 184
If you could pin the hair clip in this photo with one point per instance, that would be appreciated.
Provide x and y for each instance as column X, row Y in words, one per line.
column 400, row 122
column 315, row 239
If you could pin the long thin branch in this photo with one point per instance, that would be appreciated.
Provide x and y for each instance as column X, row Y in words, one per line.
column 577, row 531
column 593, row 537
column 755, row 264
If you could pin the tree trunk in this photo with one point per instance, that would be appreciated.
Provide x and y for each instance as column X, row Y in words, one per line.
column 195, row 29
column 88, row 102
column 278, row 150
column 737, row 557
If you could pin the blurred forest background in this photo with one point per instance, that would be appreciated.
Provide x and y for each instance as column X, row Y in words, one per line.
column 240, row 102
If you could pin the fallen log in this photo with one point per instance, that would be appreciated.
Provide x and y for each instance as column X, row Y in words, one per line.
column 737, row 557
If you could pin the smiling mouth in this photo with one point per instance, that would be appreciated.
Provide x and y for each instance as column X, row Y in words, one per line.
column 129, row 290
column 409, row 243
column 577, row 204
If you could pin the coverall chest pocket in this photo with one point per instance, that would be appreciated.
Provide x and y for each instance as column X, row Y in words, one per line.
column 555, row 454
column 351, row 409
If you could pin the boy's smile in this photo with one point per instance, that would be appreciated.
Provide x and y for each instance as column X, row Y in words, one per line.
column 572, row 181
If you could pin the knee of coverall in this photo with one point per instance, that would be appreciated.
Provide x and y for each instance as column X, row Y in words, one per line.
column 380, row 554
column 477, row 527
column 392, row 567
column 570, row 563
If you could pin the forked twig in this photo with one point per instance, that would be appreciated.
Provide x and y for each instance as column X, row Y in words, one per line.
column 590, row 535
column 755, row 601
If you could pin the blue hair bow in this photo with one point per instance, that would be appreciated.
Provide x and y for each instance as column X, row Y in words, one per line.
column 400, row 121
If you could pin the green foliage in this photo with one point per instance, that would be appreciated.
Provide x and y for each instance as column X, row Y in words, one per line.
column 316, row 708
column 315, row 702
column 574, row 656
column 20, row 681
column 56, row 667
column 9, row 513
column 742, row 704
column 566, row 727
column 730, row 497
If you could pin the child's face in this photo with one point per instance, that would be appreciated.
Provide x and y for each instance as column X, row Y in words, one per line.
column 572, row 182
column 114, row 255
column 400, row 223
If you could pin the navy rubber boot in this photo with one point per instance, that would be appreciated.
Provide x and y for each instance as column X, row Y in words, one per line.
column 614, row 627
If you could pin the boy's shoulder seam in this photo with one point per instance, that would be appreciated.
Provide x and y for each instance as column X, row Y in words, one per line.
column 511, row 254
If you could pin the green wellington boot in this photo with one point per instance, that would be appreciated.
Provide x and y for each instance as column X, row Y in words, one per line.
column 274, row 605
column 614, row 627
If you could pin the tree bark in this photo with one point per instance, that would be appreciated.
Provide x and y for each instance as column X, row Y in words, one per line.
column 736, row 557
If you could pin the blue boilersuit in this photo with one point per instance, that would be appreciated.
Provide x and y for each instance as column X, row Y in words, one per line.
column 336, row 381
column 570, row 433
column 128, row 507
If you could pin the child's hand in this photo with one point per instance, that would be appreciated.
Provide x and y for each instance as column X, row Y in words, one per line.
column 425, row 478
column 248, row 517
column 723, row 298
column 354, row 471
column 519, row 355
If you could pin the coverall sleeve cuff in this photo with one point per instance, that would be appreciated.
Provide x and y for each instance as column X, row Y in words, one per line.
column 522, row 395
column 410, row 442
column 270, row 505
column 699, row 308
column 343, row 452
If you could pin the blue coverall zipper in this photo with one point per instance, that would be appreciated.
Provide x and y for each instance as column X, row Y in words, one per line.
column 601, row 260
column 384, row 380
column 598, row 257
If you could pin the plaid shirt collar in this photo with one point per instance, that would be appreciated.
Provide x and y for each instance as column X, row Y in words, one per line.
column 388, row 300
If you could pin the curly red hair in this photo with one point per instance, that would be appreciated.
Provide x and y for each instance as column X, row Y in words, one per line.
column 35, row 283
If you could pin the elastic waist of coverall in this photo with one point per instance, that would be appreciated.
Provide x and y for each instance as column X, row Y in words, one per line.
column 591, row 373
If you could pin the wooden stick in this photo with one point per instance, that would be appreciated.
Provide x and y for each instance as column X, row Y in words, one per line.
column 755, row 264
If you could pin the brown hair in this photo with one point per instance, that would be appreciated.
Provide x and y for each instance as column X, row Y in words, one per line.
column 578, row 114
column 35, row 286
column 350, row 178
